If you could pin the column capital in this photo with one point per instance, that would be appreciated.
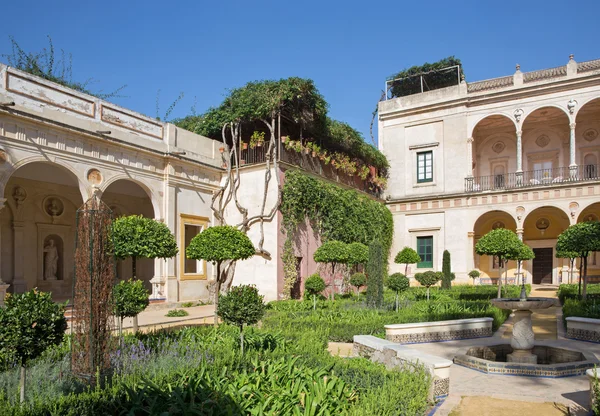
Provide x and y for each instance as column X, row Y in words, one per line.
column 471, row 234
column 470, row 140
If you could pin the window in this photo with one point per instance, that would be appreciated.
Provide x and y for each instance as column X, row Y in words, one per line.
column 542, row 170
column 190, row 227
column 499, row 176
column 425, row 251
column 590, row 167
column 425, row 167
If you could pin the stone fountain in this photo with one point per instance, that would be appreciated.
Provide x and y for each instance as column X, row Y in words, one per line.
column 523, row 356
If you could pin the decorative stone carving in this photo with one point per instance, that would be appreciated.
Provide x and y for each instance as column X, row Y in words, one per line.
column 520, row 212
column 19, row 195
column 590, row 218
column 518, row 114
column 3, row 157
column 53, row 207
column 571, row 105
column 573, row 207
column 590, row 134
column 498, row 224
column 94, row 177
column 498, row 147
column 51, row 258
column 542, row 224
column 542, row 141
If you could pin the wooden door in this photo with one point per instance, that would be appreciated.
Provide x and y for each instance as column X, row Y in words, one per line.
column 542, row 265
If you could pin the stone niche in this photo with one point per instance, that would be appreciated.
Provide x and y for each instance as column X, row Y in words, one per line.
column 55, row 259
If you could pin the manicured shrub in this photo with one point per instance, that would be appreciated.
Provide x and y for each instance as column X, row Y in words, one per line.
column 313, row 286
column 447, row 275
column 570, row 291
column 173, row 313
column 358, row 253
column 332, row 252
column 358, row 280
column 216, row 245
column 474, row 274
column 243, row 305
column 30, row 323
column 375, row 272
column 407, row 256
column 428, row 279
column 130, row 298
column 398, row 283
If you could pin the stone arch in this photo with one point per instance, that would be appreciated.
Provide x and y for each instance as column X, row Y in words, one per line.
column 557, row 217
column 144, row 186
column 487, row 221
column 584, row 107
column 529, row 114
column 545, row 136
column 84, row 189
column 592, row 209
column 494, row 143
column 491, row 115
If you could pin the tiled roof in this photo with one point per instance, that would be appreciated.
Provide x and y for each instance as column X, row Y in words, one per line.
column 560, row 71
column 490, row 84
column 588, row 66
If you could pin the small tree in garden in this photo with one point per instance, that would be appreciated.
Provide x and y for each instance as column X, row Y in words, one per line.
column 332, row 252
column 136, row 236
column 358, row 280
column 524, row 252
column 313, row 286
column 398, row 283
column 216, row 245
column 358, row 254
column 407, row 256
column 243, row 305
column 428, row 279
column 474, row 274
column 130, row 297
column 499, row 242
column 30, row 323
column 572, row 256
column 447, row 271
column 583, row 238
column 375, row 272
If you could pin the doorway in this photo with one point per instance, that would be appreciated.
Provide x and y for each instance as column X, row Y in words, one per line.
column 542, row 265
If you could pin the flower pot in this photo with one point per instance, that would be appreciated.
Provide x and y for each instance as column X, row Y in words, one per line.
column 314, row 154
column 245, row 146
column 221, row 149
column 373, row 171
column 283, row 139
column 259, row 144
column 306, row 151
column 242, row 162
column 224, row 165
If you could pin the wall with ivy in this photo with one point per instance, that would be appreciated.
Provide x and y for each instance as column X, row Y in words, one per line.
column 331, row 213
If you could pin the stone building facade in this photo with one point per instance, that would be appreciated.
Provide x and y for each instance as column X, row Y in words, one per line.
column 520, row 152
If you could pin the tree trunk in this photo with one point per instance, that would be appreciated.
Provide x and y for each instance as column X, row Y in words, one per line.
column 217, row 289
column 133, row 267
column 242, row 338
column 396, row 301
column 406, row 270
column 22, row 383
column 500, row 280
column 314, row 302
column 584, row 293
column 571, row 271
column 580, row 276
column 135, row 324
column 121, row 330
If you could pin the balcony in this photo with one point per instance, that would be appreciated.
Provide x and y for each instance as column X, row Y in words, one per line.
column 534, row 178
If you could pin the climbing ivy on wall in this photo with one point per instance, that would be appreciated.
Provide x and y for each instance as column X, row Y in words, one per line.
column 335, row 213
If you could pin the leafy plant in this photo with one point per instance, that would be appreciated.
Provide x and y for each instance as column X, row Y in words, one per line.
column 358, row 253
column 428, row 279
column 333, row 252
column 313, row 286
column 257, row 139
column 130, row 299
column 290, row 268
column 524, row 252
column 218, row 244
column 136, row 236
column 188, row 304
column 407, row 81
column 572, row 256
column 176, row 313
column 30, row 323
column 375, row 272
column 243, row 305
column 407, row 256
column 398, row 283
column 448, row 276
column 501, row 243
column 358, row 280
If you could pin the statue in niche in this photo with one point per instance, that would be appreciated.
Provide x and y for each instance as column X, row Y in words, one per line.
column 50, row 261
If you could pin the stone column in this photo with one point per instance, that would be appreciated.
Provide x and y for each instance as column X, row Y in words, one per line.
column 19, row 284
column 519, row 157
column 470, row 251
column 572, row 152
column 520, row 233
column 470, row 157
column 3, row 285
column 522, row 339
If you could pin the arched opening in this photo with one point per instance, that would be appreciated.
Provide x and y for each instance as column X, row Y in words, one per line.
column 38, row 229
column 489, row 266
column 545, row 146
column 541, row 228
column 494, row 150
column 587, row 130
column 126, row 197
column 592, row 213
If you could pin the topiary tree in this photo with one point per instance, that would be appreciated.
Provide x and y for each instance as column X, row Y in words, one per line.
column 572, row 256
column 130, row 297
column 375, row 273
column 524, row 252
column 474, row 274
column 358, row 254
column 499, row 242
column 407, row 256
column 243, row 305
column 136, row 236
column 398, row 283
column 447, row 271
column 30, row 323
column 582, row 238
column 358, row 280
column 332, row 252
column 216, row 245
column 428, row 279
column 313, row 286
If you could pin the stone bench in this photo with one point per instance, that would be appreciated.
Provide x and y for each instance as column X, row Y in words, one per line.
column 394, row 355
column 584, row 329
column 419, row 332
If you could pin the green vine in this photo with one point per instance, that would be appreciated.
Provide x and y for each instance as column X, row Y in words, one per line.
column 290, row 264
column 334, row 212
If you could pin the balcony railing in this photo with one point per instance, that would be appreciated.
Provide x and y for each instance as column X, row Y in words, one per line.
column 534, row 178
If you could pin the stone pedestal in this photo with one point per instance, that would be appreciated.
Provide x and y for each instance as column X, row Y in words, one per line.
column 3, row 289
column 522, row 339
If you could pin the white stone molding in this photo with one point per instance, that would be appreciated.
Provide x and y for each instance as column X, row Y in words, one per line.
column 572, row 148
column 519, row 151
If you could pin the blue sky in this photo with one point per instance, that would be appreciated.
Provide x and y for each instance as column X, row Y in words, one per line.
column 348, row 48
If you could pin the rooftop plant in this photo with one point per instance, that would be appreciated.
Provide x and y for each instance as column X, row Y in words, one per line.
column 436, row 75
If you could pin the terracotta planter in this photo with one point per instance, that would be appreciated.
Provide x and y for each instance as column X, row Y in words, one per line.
column 259, row 144
column 314, row 154
column 245, row 146
column 373, row 171
column 221, row 149
column 224, row 165
column 283, row 139
column 242, row 162
column 306, row 151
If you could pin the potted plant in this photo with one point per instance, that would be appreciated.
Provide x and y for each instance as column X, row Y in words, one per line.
column 307, row 148
column 257, row 139
column 284, row 139
column 245, row 146
column 363, row 172
column 221, row 149
column 315, row 149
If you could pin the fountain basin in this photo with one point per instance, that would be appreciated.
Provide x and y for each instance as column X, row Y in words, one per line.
column 553, row 362
column 524, row 304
